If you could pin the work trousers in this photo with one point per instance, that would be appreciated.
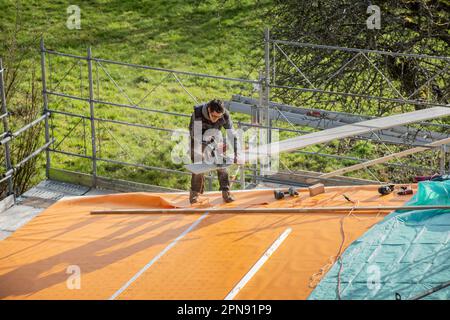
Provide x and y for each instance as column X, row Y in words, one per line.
column 198, row 180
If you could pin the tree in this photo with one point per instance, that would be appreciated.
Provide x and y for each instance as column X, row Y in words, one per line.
column 412, row 26
column 24, row 100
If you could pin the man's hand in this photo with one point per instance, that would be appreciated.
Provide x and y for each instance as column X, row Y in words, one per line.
column 222, row 147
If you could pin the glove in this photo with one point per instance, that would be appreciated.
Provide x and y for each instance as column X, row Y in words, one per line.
column 221, row 147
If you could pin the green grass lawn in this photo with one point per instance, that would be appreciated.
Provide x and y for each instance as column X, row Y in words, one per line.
column 212, row 37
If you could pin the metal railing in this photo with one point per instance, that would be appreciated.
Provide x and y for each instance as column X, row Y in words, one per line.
column 8, row 137
column 260, row 115
column 364, row 53
column 92, row 100
column 274, row 46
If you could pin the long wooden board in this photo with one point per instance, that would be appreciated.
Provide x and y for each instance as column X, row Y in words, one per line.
column 199, row 168
column 348, row 131
column 268, row 210
column 339, row 133
column 386, row 158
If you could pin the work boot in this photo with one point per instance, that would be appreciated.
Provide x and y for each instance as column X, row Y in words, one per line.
column 227, row 197
column 193, row 197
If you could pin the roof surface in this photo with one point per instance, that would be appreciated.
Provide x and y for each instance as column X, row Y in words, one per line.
column 408, row 253
column 182, row 256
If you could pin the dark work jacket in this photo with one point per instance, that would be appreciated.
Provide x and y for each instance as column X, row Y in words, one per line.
column 201, row 114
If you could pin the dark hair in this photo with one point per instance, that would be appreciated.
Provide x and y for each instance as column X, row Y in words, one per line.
column 216, row 105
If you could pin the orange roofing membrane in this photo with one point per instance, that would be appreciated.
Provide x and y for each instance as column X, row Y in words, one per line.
column 130, row 256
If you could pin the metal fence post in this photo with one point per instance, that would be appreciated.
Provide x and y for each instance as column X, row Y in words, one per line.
column 6, row 129
column 241, row 167
column 255, row 121
column 261, row 132
column 264, row 101
column 264, row 78
column 242, row 176
column 45, row 100
column 91, row 105
column 266, row 82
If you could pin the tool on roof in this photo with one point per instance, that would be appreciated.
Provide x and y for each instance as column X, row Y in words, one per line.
column 216, row 159
column 316, row 189
column 348, row 198
column 386, row 189
column 405, row 190
column 279, row 194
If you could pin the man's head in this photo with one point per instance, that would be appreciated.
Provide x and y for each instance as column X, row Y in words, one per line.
column 215, row 110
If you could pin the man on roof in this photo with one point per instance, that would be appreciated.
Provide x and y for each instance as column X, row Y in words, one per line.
column 207, row 145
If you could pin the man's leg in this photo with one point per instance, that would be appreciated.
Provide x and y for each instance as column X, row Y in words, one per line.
column 197, row 180
column 197, row 186
column 224, row 180
column 224, row 183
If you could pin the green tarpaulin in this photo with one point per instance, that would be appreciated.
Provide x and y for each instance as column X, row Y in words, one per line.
column 407, row 253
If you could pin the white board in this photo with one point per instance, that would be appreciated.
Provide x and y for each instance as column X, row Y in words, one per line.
column 323, row 136
column 198, row 168
column 348, row 131
column 384, row 159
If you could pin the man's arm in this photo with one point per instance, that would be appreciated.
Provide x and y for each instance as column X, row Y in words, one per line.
column 191, row 126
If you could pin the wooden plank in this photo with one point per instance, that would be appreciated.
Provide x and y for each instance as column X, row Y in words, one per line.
column 322, row 123
column 79, row 178
column 303, row 177
column 342, row 117
column 199, row 168
column 85, row 179
column 268, row 210
column 385, row 158
column 339, row 133
column 6, row 203
column 347, row 131
column 316, row 189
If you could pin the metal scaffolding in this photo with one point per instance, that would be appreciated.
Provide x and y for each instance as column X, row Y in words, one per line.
column 94, row 100
column 299, row 58
column 263, row 111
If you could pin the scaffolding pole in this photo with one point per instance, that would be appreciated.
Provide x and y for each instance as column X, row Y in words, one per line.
column 45, row 101
column 4, row 109
column 92, row 118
